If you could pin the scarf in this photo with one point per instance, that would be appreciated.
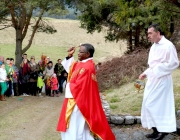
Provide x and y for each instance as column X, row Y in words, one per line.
column 25, row 69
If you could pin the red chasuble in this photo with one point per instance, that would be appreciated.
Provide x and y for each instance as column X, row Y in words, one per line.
column 84, row 88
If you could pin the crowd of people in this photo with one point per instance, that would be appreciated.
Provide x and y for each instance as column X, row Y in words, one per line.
column 31, row 77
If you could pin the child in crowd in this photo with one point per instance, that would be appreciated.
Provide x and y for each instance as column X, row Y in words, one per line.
column 54, row 85
column 40, row 83
column 3, row 80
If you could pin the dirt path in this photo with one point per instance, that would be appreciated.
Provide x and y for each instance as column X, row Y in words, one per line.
column 33, row 118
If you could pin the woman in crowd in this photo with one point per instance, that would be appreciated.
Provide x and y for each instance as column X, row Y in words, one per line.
column 3, row 80
column 33, row 76
column 48, row 72
column 24, row 76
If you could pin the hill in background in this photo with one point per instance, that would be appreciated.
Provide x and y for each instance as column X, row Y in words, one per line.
column 56, row 45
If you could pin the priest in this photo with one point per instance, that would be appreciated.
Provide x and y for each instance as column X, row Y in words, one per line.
column 158, row 108
column 82, row 116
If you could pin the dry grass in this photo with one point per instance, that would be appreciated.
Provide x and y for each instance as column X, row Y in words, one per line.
column 126, row 99
column 55, row 45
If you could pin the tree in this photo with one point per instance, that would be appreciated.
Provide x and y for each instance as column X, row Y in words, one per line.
column 126, row 19
column 19, row 15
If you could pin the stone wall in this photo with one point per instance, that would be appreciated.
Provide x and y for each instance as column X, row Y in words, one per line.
column 126, row 119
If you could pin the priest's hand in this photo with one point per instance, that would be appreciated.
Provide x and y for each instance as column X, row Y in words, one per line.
column 142, row 76
column 71, row 51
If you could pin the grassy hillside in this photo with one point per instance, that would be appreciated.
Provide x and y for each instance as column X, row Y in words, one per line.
column 123, row 100
column 55, row 45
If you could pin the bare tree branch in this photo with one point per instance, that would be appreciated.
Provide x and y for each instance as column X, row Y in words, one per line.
column 34, row 31
column 6, row 26
column 29, row 15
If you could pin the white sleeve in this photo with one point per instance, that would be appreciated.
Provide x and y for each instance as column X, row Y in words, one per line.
column 68, row 93
column 166, row 68
column 67, row 63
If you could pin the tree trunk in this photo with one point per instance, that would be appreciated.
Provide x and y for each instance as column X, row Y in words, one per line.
column 137, row 36
column 18, row 51
column 130, row 41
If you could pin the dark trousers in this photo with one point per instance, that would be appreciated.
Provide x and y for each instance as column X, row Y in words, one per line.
column 33, row 88
column 61, row 81
column 16, row 89
column 8, row 92
column 48, row 91
column 54, row 91
column 25, row 88
column 39, row 90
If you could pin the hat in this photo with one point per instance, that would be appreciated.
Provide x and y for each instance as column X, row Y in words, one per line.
column 54, row 75
column 40, row 74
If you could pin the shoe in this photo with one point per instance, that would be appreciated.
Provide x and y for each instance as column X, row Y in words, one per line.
column 152, row 135
column 159, row 136
column 57, row 95
column 24, row 94
column 52, row 95
column 40, row 95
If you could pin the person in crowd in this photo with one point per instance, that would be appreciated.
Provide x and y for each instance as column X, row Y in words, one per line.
column 14, row 77
column 47, row 59
column 40, row 84
column 48, row 72
column 3, row 80
column 10, row 72
column 59, row 69
column 24, row 77
column 33, row 76
column 158, row 109
column 82, row 111
column 64, row 75
column 98, row 65
column 25, row 56
column 54, row 86
column 2, row 59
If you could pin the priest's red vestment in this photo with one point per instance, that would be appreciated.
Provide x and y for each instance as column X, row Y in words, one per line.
column 84, row 88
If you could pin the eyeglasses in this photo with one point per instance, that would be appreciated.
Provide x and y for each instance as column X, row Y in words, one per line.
column 32, row 58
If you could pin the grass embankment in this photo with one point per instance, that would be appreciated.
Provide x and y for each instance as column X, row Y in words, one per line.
column 126, row 99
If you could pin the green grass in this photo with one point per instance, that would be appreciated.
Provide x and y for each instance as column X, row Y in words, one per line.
column 126, row 99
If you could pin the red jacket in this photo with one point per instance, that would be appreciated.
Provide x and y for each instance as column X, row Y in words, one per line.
column 54, row 83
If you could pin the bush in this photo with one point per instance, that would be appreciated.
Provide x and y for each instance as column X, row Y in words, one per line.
column 117, row 71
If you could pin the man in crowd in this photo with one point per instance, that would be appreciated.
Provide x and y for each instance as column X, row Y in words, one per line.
column 14, row 77
column 25, row 56
column 82, row 116
column 158, row 111
column 59, row 69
